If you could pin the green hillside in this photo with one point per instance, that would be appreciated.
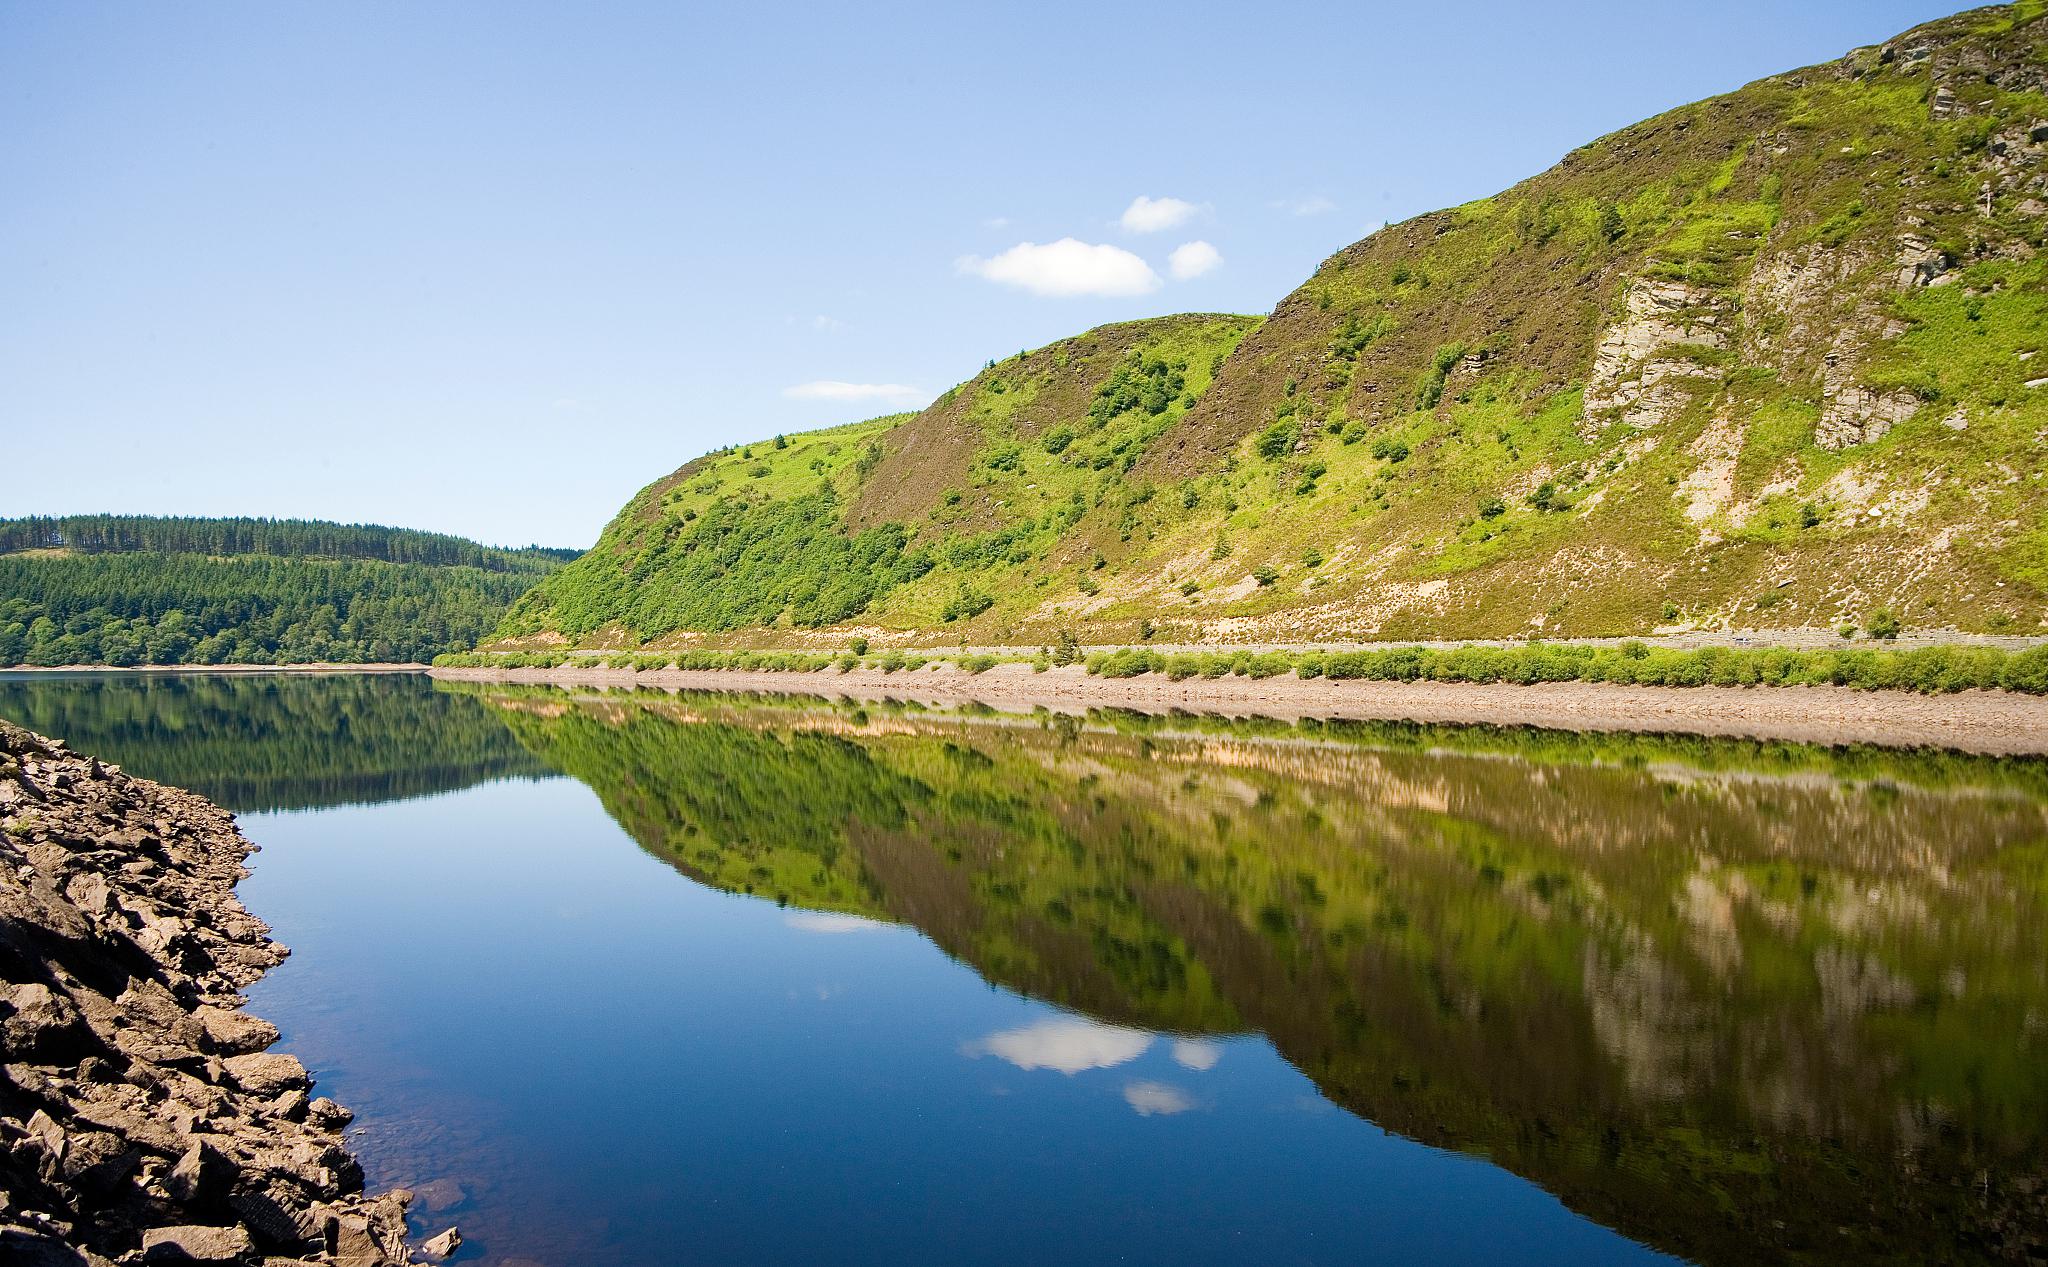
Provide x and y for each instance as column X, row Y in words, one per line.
column 1769, row 360
column 130, row 590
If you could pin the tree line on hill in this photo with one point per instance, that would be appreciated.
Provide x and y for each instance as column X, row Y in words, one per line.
column 281, row 538
column 131, row 590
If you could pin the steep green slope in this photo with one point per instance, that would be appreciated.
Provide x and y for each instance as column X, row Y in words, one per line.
column 1767, row 360
column 126, row 590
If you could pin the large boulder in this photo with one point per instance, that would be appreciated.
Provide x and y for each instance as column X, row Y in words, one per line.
column 192, row 1243
column 267, row 1074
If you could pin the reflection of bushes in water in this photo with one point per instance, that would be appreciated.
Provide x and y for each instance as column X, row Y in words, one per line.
column 1522, row 957
column 1922, row 767
column 275, row 741
column 834, row 822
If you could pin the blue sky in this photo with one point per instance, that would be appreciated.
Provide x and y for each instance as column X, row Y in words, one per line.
column 489, row 268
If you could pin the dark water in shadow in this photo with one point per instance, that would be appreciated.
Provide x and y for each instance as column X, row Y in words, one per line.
column 773, row 982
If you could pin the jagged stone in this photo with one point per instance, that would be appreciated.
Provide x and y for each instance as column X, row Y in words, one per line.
column 267, row 1074
column 193, row 1243
column 440, row 1246
column 326, row 1112
column 200, row 1176
column 39, row 1022
column 234, row 1033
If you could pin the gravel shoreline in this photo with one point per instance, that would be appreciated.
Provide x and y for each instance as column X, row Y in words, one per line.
column 1991, row 722
column 141, row 1117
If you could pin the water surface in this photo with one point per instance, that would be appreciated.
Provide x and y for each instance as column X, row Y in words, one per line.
column 647, row 978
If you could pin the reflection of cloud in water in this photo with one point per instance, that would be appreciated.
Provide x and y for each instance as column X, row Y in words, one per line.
column 1149, row 1098
column 1193, row 1053
column 1068, row 1044
column 830, row 922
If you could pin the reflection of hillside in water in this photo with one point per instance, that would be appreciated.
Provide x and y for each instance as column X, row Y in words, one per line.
column 275, row 741
column 1732, row 1003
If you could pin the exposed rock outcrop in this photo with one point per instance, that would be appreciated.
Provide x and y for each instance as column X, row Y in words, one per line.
column 1853, row 413
column 141, row 1119
column 1648, row 358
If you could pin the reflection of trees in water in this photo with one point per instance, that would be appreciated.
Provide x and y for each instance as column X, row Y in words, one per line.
column 1731, row 1000
column 275, row 741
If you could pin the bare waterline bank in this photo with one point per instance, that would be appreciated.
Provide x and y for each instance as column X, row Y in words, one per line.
column 1991, row 722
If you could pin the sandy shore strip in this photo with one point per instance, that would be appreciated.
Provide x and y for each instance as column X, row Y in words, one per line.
column 1992, row 722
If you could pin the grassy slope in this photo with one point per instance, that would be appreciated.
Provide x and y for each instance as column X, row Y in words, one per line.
column 1423, row 440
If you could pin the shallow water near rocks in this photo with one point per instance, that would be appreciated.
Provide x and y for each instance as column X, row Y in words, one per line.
column 638, row 978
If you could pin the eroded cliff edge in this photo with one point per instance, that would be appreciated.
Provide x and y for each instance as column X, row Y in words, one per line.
column 142, row 1118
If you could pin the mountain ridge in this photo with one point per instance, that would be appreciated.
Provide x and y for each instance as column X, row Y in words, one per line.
column 1759, row 361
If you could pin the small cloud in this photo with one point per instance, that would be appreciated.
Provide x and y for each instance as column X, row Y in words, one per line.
column 1150, row 215
column 1150, row 1098
column 832, row 389
column 830, row 922
column 1314, row 205
column 1192, row 259
column 1066, row 268
column 568, row 402
column 1193, row 1053
column 996, row 222
column 1068, row 1044
column 827, row 324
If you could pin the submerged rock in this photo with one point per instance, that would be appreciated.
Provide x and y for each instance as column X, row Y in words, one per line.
column 436, row 1248
column 141, row 1118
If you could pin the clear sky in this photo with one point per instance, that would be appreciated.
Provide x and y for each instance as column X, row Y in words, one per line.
column 488, row 268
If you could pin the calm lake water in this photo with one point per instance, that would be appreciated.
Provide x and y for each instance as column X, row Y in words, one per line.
column 645, row 978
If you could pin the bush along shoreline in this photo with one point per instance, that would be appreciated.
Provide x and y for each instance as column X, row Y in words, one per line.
column 1924, row 670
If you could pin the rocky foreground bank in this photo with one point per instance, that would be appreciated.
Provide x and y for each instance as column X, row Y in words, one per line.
column 142, row 1119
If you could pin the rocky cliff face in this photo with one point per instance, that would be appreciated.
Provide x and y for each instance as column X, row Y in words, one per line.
column 141, row 1117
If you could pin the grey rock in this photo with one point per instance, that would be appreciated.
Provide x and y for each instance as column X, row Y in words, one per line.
column 194, row 1243
column 325, row 1112
column 234, row 1033
column 438, row 1247
column 39, row 1021
column 202, row 1174
column 267, row 1074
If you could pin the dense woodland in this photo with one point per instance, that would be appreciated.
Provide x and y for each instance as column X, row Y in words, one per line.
column 121, row 590
column 281, row 538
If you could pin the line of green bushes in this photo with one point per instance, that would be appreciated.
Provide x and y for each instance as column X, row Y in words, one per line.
column 1928, row 670
column 746, row 661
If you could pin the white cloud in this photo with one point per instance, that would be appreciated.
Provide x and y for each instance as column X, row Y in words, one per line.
column 1192, row 259
column 1150, row 215
column 1068, row 1044
column 1314, row 205
column 1193, row 1053
column 996, row 222
column 830, row 922
column 1066, row 268
column 1149, row 1098
column 832, row 389
column 827, row 324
